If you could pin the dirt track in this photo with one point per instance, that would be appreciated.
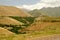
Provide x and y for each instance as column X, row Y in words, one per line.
column 50, row 37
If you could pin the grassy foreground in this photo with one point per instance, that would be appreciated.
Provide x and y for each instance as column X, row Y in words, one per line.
column 51, row 30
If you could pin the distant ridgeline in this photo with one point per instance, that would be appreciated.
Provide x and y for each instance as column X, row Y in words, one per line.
column 52, row 12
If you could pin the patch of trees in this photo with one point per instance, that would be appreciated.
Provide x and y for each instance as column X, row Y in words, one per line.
column 51, row 20
column 24, row 19
column 14, row 28
column 48, row 20
column 17, row 28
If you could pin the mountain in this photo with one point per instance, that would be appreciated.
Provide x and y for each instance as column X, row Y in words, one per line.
column 35, row 13
column 12, row 11
column 53, row 12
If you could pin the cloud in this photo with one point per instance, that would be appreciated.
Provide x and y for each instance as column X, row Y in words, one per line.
column 42, row 3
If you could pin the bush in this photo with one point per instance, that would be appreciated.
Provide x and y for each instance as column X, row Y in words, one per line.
column 14, row 29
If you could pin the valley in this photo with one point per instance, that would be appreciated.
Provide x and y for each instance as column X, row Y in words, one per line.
column 17, row 24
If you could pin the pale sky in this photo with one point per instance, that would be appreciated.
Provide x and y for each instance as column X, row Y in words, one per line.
column 18, row 2
column 31, row 4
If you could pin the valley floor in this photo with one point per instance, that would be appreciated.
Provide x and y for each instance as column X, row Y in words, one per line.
column 50, row 37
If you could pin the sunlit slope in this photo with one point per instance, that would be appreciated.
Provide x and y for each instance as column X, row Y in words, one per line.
column 8, row 21
column 5, row 34
column 12, row 11
column 5, row 31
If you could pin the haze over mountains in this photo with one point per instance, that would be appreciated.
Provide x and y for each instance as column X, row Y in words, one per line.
column 54, row 12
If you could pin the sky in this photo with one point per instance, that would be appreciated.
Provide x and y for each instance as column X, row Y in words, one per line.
column 31, row 4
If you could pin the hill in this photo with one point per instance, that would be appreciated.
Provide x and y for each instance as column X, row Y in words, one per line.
column 44, row 24
column 12, row 11
column 5, row 31
column 5, row 34
column 8, row 21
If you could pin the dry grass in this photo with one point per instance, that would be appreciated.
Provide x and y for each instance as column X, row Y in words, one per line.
column 8, row 20
column 38, row 26
column 5, row 34
column 12, row 11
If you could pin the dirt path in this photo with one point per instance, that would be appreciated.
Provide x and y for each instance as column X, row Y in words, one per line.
column 50, row 37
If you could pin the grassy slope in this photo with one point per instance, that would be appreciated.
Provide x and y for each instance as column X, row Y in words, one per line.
column 8, row 20
column 12, row 11
column 5, row 34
